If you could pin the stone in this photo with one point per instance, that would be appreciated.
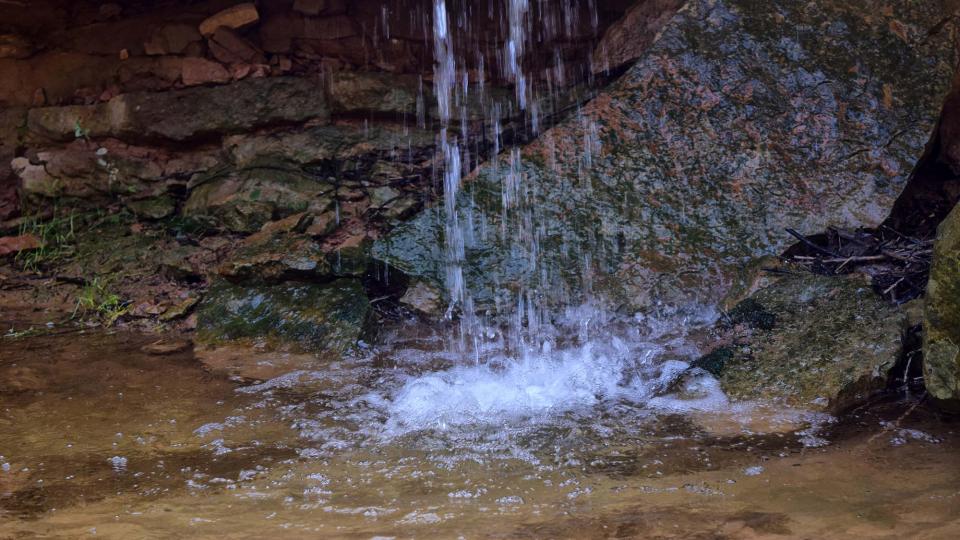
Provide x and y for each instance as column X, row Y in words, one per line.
column 153, row 208
column 280, row 257
column 146, row 73
column 197, row 71
column 309, row 7
column 329, row 28
column 94, row 176
column 12, row 120
column 728, row 129
column 177, row 262
column 941, row 322
column 383, row 196
column 165, row 347
column 187, row 114
column 230, row 48
column 243, row 201
column 351, row 92
column 949, row 130
column 110, row 10
column 323, row 225
column 180, row 309
column 351, row 258
column 628, row 38
column 391, row 203
column 321, row 144
column 171, row 39
column 16, row 244
column 324, row 320
column 33, row 177
column 814, row 342
column 236, row 17
column 294, row 223
column 278, row 31
column 423, row 298
column 15, row 46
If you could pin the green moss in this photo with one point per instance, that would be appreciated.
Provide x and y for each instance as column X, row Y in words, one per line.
column 753, row 314
column 295, row 317
column 834, row 342
column 153, row 208
column 941, row 326
column 715, row 361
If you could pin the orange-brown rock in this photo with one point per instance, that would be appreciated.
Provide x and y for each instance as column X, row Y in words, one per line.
column 236, row 17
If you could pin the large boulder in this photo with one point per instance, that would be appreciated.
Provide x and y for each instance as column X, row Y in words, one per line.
column 187, row 114
column 941, row 324
column 812, row 342
column 742, row 119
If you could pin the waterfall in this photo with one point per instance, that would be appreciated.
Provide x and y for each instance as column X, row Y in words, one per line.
column 526, row 356
column 521, row 25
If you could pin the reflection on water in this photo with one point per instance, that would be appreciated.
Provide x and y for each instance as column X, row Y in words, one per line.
column 99, row 439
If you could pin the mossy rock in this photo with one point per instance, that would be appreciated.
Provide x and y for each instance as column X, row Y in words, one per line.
column 243, row 201
column 187, row 114
column 324, row 320
column 753, row 314
column 157, row 207
column 941, row 324
column 743, row 118
column 833, row 344
column 277, row 258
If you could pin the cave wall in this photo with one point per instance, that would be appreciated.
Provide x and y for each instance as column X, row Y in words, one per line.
column 57, row 54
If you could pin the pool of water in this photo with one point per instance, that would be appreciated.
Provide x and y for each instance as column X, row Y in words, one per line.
column 101, row 439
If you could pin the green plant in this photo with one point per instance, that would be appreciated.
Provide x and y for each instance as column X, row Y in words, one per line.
column 97, row 299
column 78, row 131
column 56, row 238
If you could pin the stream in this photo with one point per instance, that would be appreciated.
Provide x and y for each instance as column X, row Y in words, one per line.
column 103, row 440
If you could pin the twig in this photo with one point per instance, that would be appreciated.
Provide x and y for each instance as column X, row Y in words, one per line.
column 844, row 260
column 896, row 424
column 894, row 286
column 903, row 236
column 810, row 244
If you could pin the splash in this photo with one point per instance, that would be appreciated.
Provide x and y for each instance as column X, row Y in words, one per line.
column 589, row 372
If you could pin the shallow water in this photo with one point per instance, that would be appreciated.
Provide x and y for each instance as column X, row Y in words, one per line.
column 99, row 439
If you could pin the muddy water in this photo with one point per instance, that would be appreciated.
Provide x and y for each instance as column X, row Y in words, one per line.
column 99, row 439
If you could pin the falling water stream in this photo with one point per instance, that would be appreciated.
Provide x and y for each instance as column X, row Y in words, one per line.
column 525, row 359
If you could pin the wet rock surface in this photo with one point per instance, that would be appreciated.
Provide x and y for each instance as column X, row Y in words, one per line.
column 941, row 322
column 186, row 114
column 322, row 319
column 811, row 342
column 244, row 201
column 727, row 130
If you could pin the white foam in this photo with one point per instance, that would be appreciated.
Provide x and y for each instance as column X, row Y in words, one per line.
column 540, row 384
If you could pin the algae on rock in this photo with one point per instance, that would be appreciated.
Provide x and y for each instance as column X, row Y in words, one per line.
column 243, row 201
column 815, row 342
column 325, row 320
column 941, row 324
